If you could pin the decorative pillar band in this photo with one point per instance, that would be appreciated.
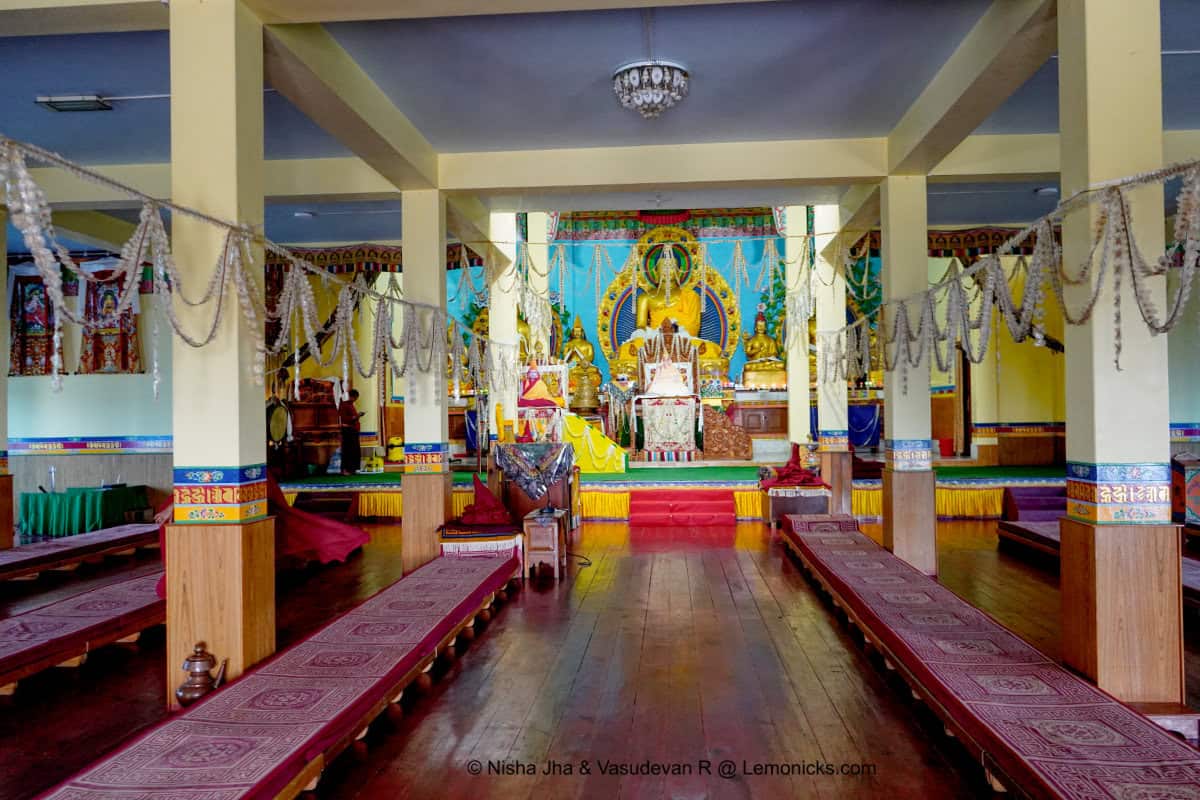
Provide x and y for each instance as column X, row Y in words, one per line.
column 909, row 455
column 430, row 458
column 1185, row 431
column 1123, row 494
column 833, row 441
column 215, row 495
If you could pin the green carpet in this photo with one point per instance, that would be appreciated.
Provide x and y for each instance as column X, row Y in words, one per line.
column 1000, row 473
column 350, row 481
column 675, row 474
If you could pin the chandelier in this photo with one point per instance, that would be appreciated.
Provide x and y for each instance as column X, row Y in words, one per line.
column 650, row 87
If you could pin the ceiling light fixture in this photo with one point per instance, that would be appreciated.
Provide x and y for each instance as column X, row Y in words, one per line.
column 1046, row 191
column 650, row 86
column 74, row 102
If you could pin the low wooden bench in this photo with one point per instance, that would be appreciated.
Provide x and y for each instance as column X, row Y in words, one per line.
column 68, row 552
column 270, row 733
column 62, row 633
column 1036, row 727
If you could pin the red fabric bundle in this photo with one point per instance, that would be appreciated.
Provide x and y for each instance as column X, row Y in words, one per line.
column 793, row 473
column 486, row 510
column 300, row 536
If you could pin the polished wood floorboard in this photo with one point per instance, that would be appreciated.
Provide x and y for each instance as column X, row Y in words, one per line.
column 667, row 647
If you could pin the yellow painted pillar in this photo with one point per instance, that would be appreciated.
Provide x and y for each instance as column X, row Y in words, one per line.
column 796, row 254
column 909, row 518
column 985, row 399
column 1122, row 623
column 1183, row 347
column 221, row 547
column 502, row 319
column 833, row 431
column 6, row 493
column 538, row 228
column 426, row 484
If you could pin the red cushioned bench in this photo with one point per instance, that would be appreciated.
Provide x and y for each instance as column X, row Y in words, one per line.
column 1036, row 727
column 28, row 560
column 270, row 733
column 65, row 631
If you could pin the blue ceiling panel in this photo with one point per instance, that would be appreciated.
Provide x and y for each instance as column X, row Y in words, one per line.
column 760, row 71
column 134, row 131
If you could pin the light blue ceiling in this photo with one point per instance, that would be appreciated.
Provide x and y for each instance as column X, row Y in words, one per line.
column 785, row 70
column 136, row 131
column 988, row 203
column 1034, row 107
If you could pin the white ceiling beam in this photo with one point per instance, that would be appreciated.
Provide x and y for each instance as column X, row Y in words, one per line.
column 308, row 67
column 980, row 159
column 1011, row 41
column 48, row 17
column 653, row 167
column 292, row 11
column 858, row 212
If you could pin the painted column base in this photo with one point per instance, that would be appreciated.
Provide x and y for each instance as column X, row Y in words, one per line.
column 426, row 508
column 910, row 517
column 6, row 512
column 220, row 591
column 1122, row 608
column 835, row 470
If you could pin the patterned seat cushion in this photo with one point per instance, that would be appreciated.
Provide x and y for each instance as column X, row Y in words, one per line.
column 69, row 627
column 250, row 739
column 1050, row 730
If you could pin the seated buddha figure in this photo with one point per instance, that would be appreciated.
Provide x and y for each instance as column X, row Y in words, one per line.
column 580, row 354
column 456, row 359
column 764, row 368
column 681, row 305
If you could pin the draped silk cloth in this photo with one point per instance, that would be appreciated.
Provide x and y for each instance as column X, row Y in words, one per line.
column 112, row 345
column 31, row 322
column 670, row 424
column 535, row 466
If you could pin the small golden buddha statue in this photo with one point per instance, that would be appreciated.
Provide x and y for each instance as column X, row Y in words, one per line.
column 579, row 353
column 456, row 354
column 523, row 339
column 764, row 368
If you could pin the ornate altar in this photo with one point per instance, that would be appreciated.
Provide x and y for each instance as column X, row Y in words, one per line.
column 668, row 285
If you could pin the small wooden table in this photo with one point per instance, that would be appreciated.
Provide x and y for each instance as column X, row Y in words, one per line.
column 546, row 540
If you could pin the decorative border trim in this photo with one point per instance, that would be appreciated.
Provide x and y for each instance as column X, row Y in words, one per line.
column 1185, row 431
column 220, row 495
column 908, row 455
column 428, row 458
column 88, row 445
column 833, row 441
column 1126, row 494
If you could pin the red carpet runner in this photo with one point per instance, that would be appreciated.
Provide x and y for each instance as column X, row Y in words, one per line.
column 682, row 507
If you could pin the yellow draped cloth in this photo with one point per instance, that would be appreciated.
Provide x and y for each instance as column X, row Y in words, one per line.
column 594, row 452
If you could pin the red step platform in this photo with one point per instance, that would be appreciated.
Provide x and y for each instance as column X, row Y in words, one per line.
column 688, row 507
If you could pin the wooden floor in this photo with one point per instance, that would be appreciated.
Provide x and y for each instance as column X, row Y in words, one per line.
column 670, row 647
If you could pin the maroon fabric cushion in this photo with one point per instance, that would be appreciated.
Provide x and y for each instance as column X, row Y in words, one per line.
column 486, row 510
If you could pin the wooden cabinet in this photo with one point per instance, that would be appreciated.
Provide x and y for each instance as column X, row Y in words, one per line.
column 761, row 418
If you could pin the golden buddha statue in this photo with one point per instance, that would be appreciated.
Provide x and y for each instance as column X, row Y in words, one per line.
column 580, row 354
column 669, row 300
column 523, row 339
column 456, row 359
column 764, row 368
